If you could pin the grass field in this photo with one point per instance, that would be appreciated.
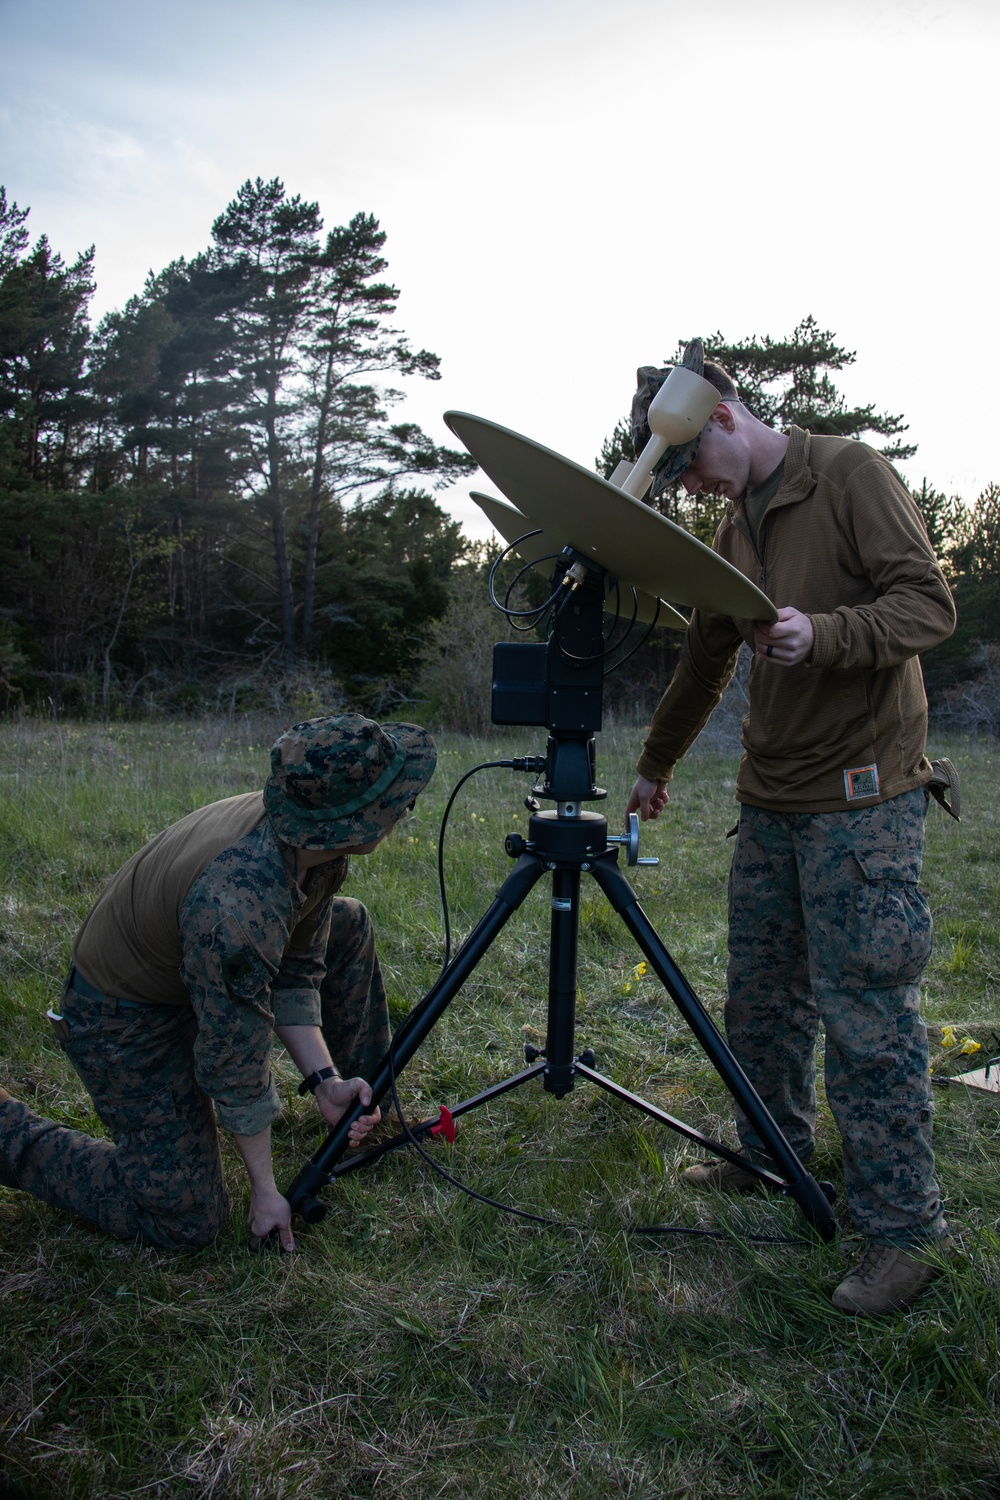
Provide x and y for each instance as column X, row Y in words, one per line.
column 420, row 1344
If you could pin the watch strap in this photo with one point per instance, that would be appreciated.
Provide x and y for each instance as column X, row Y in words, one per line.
column 311, row 1084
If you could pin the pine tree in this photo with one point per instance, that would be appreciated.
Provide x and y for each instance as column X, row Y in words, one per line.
column 786, row 381
column 270, row 240
column 353, row 445
column 44, row 342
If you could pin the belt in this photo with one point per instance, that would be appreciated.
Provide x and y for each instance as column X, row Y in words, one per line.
column 83, row 987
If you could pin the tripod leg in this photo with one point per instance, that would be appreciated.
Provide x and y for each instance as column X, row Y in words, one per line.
column 802, row 1187
column 301, row 1193
column 563, row 948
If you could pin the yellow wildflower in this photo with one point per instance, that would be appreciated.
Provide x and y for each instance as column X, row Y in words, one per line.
column 969, row 1046
column 948, row 1037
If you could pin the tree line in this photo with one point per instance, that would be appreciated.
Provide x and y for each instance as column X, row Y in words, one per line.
column 211, row 490
column 212, row 476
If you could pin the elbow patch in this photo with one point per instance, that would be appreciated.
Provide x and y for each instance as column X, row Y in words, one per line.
column 243, row 974
column 247, row 977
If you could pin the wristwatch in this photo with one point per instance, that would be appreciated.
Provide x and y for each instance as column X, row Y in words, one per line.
column 311, row 1084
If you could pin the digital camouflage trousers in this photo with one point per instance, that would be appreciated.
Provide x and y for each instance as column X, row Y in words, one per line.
column 828, row 927
column 159, row 1176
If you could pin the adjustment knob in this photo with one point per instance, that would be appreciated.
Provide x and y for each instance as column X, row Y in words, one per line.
column 514, row 845
column 630, row 842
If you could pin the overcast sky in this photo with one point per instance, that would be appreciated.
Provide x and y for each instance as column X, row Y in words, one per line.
column 568, row 188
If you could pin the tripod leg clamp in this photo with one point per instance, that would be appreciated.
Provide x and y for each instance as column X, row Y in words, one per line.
column 445, row 1126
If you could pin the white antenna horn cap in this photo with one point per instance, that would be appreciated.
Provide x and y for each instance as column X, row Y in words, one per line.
column 676, row 414
column 681, row 406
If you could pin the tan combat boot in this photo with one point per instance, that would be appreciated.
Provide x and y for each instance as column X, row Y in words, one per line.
column 889, row 1278
column 723, row 1176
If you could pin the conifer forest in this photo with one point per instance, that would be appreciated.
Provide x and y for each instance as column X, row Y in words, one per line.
column 212, row 492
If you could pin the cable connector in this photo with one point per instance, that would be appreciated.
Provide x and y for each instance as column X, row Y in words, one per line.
column 525, row 763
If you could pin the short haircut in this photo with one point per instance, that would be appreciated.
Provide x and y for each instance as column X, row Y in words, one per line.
column 722, row 381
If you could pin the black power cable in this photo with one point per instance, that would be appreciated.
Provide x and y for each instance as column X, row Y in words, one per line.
column 560, row 598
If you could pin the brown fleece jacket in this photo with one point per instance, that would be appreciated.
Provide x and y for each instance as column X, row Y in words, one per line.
column 843, row 542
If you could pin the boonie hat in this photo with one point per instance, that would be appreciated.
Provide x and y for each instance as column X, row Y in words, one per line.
column 345, row 780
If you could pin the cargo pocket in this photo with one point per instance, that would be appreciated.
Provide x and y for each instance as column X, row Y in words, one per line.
column 137, row 1114
column 895, row 929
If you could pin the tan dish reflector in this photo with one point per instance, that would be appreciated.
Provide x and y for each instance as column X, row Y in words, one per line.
column 638, row 545
column 541, row 551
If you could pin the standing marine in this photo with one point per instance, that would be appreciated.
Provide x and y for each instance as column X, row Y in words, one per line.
column 827, row 922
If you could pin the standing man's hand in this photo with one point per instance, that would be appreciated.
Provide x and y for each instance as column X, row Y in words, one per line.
column 336, row 1095
column 788, row 641
column 648, row 798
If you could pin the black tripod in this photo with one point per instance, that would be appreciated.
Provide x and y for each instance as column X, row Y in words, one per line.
column 563, row 679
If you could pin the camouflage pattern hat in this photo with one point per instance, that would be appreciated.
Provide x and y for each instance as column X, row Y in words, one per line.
column 343, row 781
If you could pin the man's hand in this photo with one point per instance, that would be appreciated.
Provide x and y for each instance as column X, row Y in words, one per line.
column 269, row 1211
column 788, row 641
column 648, row 798
column 336, row 1095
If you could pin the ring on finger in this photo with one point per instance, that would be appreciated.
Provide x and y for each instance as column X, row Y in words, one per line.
column 770, row 651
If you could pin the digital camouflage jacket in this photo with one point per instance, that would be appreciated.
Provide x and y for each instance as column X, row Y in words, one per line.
column 209, row 914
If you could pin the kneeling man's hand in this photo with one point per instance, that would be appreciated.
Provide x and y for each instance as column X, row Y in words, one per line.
column 270, row 1213
column 336, row 1095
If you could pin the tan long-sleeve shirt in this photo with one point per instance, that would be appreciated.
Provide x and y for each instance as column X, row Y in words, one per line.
column 842, row 542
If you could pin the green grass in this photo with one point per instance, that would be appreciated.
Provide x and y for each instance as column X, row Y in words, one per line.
column 419, row 1344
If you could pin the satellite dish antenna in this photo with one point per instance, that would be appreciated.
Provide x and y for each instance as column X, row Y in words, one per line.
column 636, row 544
column 594, row 529
column 539, row 549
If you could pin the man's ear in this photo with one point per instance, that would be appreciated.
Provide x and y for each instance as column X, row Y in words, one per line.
column 723, row 415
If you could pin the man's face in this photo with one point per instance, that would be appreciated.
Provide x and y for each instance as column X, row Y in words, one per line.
column 722, row 464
